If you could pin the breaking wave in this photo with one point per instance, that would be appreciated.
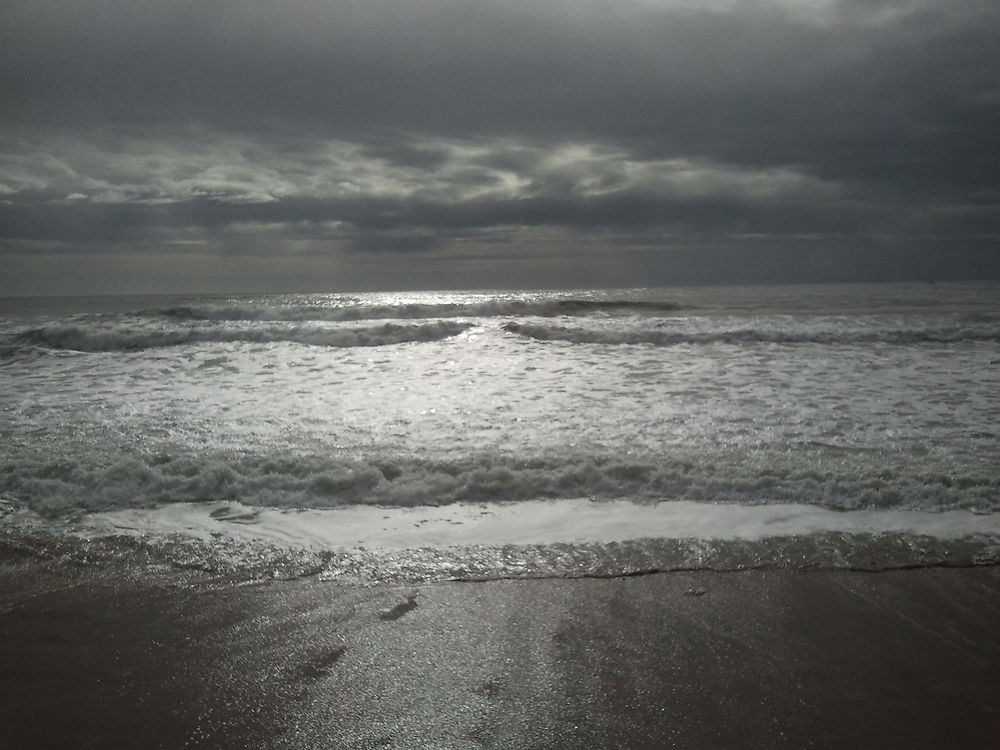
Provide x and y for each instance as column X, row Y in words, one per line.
column 542, row 332
column 317, row 481
column 114, row 339
column 355, row 312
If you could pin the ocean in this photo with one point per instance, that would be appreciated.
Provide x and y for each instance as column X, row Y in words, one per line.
column 507, row 434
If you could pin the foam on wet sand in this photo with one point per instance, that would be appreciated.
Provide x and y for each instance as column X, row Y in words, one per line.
column 541, row 522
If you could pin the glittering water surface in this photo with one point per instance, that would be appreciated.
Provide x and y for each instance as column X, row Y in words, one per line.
column 842, row 397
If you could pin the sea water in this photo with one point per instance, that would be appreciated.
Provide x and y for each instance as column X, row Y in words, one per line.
column 512, row 433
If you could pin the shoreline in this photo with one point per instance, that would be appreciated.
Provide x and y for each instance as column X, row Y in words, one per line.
column 526, row 522
column 127, row 656
column 221, row 539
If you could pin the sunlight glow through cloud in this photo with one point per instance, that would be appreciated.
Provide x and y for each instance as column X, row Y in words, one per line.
column 346, row 128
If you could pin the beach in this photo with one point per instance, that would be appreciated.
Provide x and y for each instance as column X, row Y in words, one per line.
column 105, row 656
column 500, row 376
column 733, row 517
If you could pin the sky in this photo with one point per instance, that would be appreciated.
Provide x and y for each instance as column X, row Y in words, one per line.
column 325, row 145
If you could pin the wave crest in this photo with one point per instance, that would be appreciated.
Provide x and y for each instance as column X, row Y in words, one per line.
column 579, row 335
column 490, row 308
column 114, row 339
column 317, row 481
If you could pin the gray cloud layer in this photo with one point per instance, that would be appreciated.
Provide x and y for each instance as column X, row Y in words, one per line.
column 439, row 130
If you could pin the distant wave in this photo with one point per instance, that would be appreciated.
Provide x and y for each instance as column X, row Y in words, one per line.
column 490, row 308
column 542, row 332
column 112, row 339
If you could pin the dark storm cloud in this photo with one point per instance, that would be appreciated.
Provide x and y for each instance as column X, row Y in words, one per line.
column 95, row 222
column 392, row 126
column 404, row 153
column 902, row 97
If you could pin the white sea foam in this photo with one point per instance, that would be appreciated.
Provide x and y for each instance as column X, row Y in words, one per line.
column 820, row 476
column 534, row 523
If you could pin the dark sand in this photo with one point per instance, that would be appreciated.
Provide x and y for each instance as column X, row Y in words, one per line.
column 93, row 658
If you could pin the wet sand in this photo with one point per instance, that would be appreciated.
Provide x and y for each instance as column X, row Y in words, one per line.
column 105, row 657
